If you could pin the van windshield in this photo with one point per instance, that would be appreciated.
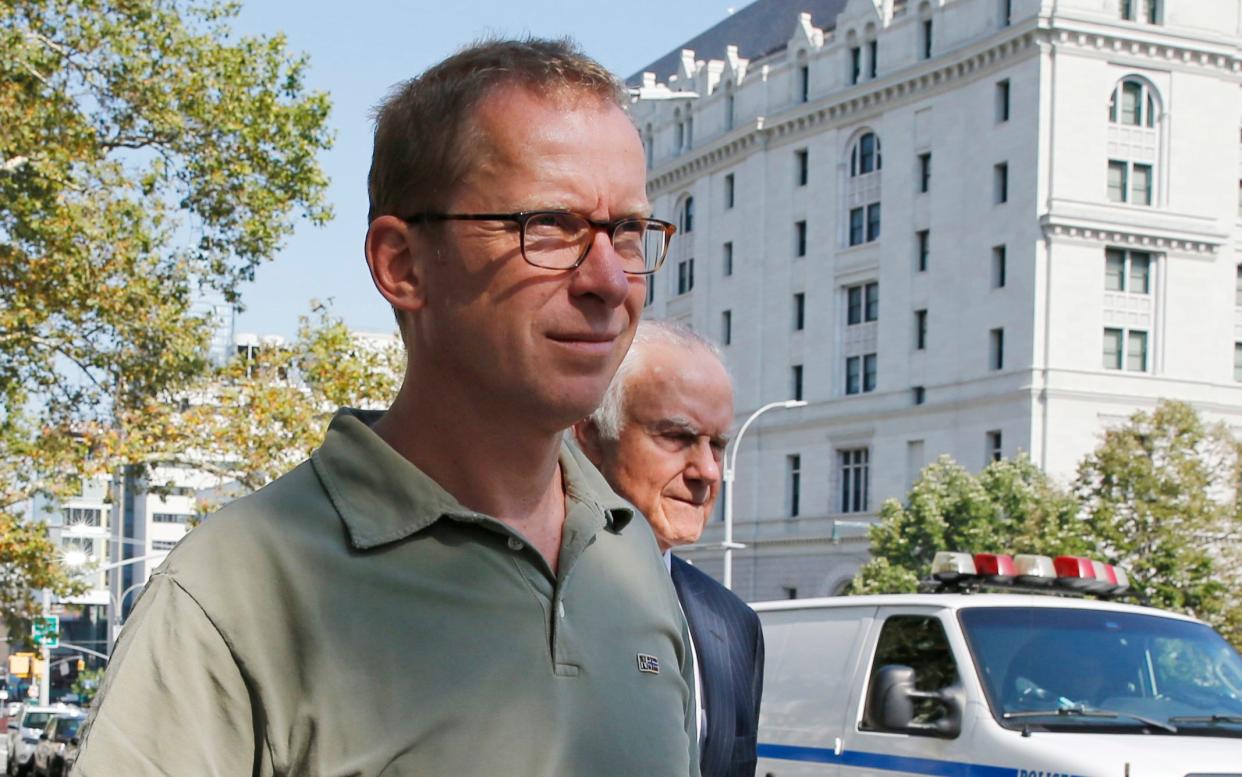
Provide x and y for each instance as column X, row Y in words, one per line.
column 1063, row 669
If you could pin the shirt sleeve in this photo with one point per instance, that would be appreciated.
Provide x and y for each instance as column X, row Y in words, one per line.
column 173, row 700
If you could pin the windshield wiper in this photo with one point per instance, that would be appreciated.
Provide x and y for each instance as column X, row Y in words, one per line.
column 1209, row 719
column 1082, row 712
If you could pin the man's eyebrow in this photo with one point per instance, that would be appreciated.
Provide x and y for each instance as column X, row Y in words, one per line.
column 686, row 426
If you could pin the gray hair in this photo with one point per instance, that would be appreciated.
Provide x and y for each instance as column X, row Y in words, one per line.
column 609, row 417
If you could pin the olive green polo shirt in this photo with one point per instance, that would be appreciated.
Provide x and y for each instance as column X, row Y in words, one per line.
column 353, row 618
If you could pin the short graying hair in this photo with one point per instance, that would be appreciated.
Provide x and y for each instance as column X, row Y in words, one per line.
column 609, row 418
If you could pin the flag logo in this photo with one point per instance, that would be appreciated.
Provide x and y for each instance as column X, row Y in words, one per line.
column 648, row 664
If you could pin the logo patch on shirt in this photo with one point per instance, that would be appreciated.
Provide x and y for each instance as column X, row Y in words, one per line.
column 648, row 664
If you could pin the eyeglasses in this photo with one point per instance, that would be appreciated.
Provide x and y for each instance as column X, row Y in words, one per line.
column 561, row 240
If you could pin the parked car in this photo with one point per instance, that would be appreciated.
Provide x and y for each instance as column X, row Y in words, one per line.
column 70, row 756
column 23, row 735
column 49, row 753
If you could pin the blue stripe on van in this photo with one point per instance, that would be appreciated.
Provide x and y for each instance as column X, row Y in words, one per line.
column 883, row 761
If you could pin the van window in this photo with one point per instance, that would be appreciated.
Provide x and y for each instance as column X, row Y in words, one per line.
column 919, row 642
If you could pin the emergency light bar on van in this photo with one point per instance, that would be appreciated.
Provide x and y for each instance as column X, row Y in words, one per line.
column 1076, row 573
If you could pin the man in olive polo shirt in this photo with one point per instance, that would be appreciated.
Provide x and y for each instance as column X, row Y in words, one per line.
column 446, row 588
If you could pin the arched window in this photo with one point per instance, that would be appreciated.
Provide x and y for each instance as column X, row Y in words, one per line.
column 687, row 216
column 865, row 156
column 1133, row 104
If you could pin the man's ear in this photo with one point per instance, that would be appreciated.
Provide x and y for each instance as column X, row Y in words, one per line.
column 586, row 434
column 396, row 258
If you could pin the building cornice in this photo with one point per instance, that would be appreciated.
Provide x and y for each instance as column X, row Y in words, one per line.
column 1130, row 236
column 848, row 104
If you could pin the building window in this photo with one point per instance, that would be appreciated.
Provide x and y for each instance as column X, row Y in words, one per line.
column 685, row 276
column 804, row 83
column 159, row 545
column 1128, row 271
column 791, row 592
column 1237, row 362
column 795, row 382
column 865, row 156
column 994, row 450
column 650, row 291
column 855, row 480
column 687, row 216
column 793, row 466
column 925, row 41
column 801, row 167
column 924, row 172
column 1237, row 286
column 1132, row 104
column 799, row 238
column 727, row 258
column 679, row 133
column 920, row 330
column 689, row 130
column 726, row 327
column 1141, row 11
column 649, row 146
column 169, row 518
column 919, row 395
column 998, row 267
column 996, row 349
column 799, row 311
column 729, row 104
column 1129, row 182
column 860, row 374
column 864, row 224
column 82, row 516
column 923, row 243
column 728, row 190
column 855, row 64
column 873, row 58
column 1125, row 349
column 1006, row 13
column 1000, row 183
column 1002, row 101
column 862, row 303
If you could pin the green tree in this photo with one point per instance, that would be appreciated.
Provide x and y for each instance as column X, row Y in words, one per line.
column 147, row 156
column 1011, row 506
column 86, row 685
column 1159, row 497
column 263, row 412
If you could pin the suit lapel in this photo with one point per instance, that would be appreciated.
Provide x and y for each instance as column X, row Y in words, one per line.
column 712, row 647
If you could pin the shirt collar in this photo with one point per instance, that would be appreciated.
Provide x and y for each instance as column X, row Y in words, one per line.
column 382, row 497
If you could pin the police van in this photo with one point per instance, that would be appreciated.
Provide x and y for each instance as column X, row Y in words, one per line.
column 964, row 682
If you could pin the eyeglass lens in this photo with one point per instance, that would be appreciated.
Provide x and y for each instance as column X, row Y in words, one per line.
column 560, row 240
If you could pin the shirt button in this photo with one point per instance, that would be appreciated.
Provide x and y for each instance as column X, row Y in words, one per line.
column 515, row 544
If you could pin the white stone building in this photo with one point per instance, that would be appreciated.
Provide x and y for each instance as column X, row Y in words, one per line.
column 972, row 227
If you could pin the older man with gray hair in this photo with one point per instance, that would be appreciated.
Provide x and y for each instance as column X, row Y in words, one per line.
column 659, row 438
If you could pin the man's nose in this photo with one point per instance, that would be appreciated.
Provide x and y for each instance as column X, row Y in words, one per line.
column 600, row 274
column 703, row 463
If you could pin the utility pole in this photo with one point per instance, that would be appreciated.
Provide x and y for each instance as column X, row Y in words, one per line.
column 45, row 653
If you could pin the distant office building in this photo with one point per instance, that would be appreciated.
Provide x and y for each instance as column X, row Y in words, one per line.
column 969, row 227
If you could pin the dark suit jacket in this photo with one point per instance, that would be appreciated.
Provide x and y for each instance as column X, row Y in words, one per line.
column 729, row 645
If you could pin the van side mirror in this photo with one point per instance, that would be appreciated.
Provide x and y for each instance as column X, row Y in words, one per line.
column 890, row 706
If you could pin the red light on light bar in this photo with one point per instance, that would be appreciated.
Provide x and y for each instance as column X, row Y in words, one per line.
column 998, row 566
column 1075, row 572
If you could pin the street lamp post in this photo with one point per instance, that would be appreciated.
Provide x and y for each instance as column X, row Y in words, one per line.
column 730, row 471
column 77, row 558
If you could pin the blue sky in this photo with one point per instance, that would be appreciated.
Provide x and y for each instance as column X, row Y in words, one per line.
column 357, row 51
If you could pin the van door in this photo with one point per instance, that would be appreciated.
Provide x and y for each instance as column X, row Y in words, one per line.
column 916, row 638
column 812, row 658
